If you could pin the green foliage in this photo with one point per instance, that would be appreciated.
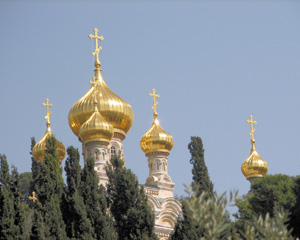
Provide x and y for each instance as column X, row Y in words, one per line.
column 209, row 213
column 12, row 224
column 186, row 228
column 6, row 202
column 295, row 211
column 5, row 177
column 133, row 216
column 266, row 228
column 271, row 193
column 34, row 168
column 95, row 202
column 78, row 225
column 201, row 181
column 25, row 183
column 49, row 187
column 19, row 218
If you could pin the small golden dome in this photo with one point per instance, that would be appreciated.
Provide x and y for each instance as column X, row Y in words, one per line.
column 38, row 151
column 156, row 139
column 96, row 129
column 112, row 108
column 254, row 165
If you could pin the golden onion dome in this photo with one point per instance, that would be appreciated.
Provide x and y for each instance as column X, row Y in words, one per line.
column 96, row 128
column 156, row 139
column 112, row 108
column 254, row 166
column 38, row 151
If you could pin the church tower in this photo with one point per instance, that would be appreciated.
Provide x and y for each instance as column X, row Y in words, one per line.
column 157, row 144
column 38, row 150
column 101, row 120
column 113, row 112
column 254, row 166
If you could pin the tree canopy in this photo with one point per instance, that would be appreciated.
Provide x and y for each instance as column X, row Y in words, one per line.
column 134, row 219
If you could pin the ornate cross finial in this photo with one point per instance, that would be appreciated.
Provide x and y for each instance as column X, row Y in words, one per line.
column 154, row 100
column 47, row 117
column 97, row 49
column 251, row 126
column 33, row 197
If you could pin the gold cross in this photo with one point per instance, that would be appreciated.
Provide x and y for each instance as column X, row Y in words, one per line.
column 154, row 100
column 97, row 49
column 33, row 198
column 251, row 126
column 48, row 112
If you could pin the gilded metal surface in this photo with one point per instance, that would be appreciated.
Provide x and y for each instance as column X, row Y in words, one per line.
column 33, row 197
column 252, row 130
column 254, row 165
column 154, row 100
column 97, row 48
column 96, row 128
column 112, row 108
column 47, row 105
column 38, row 151
column 156, row 139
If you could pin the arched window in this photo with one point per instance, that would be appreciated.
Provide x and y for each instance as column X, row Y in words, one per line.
column 113, row 150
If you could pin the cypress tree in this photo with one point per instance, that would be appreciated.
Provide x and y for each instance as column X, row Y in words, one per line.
column 78, row 225
column 34, row 167
column 19, row 219
column 133, row 216
column 95, row 202
column 6, row 202
column 201, row 181
column 49, row 187
column 187, row 228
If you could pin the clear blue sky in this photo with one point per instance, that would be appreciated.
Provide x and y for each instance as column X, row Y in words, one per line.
column 213, row 63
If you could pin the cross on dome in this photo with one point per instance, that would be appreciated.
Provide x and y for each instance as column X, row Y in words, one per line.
column 154, row 100
column 33, row 197
column 252, row 130
column 47, row 105
column 97, row 49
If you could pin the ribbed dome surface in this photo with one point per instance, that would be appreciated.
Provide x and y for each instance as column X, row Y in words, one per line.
column 156, row 139
column 254, row 165
column 96, row 129
column 38, row 151
column 112, row 108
